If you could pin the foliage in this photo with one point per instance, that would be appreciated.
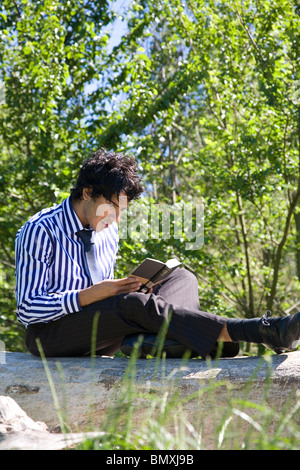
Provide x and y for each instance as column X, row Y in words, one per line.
column 204, row 93
column 50, row 51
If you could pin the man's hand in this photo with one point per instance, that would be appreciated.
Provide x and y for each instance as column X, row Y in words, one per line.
column 113, row 287
column 105, row 289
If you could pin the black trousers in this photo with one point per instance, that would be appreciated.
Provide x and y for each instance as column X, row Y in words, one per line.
column 175, row 300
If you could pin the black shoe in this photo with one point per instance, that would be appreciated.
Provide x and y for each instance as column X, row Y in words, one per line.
column 149, row 346
column 280, row 334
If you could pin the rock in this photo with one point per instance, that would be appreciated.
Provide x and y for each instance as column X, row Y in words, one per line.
column 19, row 432
column 86, row 388
column 13, row 418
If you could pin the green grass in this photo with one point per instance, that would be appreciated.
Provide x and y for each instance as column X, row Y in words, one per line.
column 239, row 423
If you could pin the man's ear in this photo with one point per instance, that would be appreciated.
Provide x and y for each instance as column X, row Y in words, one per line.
column 86, row 193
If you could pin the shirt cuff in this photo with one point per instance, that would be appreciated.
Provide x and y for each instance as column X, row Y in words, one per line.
column 70, row 302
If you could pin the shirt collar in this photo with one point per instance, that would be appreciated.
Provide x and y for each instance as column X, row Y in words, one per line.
column 71, row 220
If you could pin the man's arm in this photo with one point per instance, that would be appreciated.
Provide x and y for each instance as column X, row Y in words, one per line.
column 34, row 253
column 104, row 289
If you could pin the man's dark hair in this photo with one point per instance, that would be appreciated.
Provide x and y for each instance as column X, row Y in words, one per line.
column 107, row 173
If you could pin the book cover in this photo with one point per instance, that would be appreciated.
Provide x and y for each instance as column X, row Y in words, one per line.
column 151, row 271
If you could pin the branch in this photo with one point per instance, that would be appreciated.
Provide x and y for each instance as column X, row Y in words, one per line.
column 281, row 246
column 237, row 300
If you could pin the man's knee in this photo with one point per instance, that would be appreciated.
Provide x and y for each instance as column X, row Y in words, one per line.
column 185, row 275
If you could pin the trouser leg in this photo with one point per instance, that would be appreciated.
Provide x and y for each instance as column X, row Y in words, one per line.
column 129, row 314
column 180, row 289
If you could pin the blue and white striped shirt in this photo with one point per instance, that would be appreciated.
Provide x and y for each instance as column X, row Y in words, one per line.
column 51, row 267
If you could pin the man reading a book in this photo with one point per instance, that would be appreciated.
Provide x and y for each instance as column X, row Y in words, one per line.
column 65, row 286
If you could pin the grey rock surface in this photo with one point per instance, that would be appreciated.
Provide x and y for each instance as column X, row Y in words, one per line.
column 19, row 432
column 83, row 384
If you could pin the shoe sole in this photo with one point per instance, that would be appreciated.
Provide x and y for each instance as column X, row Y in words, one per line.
column 294, row 346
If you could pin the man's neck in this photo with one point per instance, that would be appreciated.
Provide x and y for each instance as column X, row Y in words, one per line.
column 77, row 206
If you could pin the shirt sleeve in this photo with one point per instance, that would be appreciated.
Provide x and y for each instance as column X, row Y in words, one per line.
column 34, row 253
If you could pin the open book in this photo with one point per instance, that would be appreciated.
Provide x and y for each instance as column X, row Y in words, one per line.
column 151, row 271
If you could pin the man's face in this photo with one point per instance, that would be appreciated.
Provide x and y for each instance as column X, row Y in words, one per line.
column 100, row 213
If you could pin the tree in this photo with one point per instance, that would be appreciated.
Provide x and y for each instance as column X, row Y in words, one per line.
column 210, row 110
column 204, row 93
column 50, row 51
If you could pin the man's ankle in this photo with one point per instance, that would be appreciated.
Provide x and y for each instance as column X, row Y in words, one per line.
column 224, row 335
